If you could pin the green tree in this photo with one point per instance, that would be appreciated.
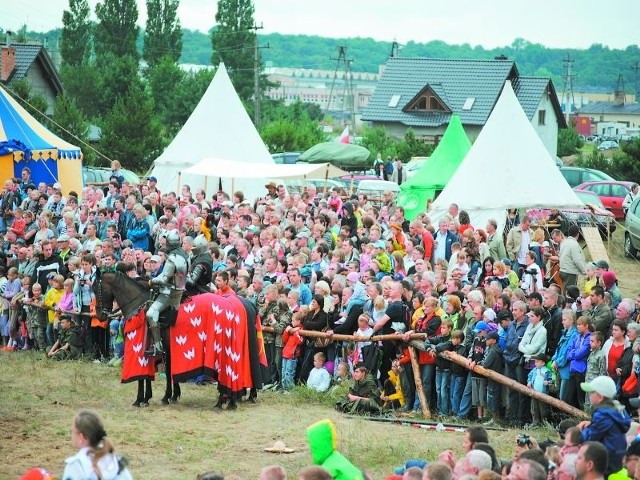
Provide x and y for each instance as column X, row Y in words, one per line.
column 569, row 142
column 627, row 162
column 116, row 31
column 377, row 141
column 233, row 43
column 411, row 146
column 82, row 83
column 165, row 80
column 71, row 125
column 130, row 132
column 163, row 34
column 116, row 76
column 36, row 105
column 288, row 136
column 75, row 43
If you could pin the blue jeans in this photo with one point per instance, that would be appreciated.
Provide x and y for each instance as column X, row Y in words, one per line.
column 494, row 393
column 442, row 390
column 457, row 387
column 288, row 372
column 465, row 401
column 427, row 374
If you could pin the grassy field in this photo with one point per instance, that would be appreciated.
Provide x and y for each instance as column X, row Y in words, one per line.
column 39, row 399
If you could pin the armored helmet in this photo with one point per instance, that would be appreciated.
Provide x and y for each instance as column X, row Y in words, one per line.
column 173, row 239
column 200, row 245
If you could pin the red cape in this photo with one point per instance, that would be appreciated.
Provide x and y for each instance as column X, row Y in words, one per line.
column 212, row 334
column 135, row 366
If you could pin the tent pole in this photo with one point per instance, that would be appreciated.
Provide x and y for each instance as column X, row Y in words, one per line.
column 326, row 178
column 179, row 181
column 206, row 180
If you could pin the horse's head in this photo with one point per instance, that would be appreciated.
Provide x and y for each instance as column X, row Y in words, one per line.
column 130, row 295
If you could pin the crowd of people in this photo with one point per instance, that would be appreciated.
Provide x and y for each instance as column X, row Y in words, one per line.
column 523, row 301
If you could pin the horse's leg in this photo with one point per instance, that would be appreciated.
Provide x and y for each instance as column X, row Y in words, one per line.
column 176, row 392
column 168, row 392
column 222, row 399
column 140, row 397
column 253, row 395
column 148, row 391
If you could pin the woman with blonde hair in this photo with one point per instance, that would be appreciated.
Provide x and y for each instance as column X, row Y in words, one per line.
column 96, row 457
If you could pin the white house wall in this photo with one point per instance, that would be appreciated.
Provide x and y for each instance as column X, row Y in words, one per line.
column 548, row 133
column 39, row 84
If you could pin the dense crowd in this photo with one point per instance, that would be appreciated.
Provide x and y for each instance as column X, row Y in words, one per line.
column 523, row 301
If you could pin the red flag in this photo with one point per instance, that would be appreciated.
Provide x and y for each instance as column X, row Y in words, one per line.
column 344, row 136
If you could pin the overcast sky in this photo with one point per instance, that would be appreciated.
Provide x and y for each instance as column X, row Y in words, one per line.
column 490, row 23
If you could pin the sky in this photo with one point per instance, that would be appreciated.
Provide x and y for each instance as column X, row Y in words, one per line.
column 489, row 23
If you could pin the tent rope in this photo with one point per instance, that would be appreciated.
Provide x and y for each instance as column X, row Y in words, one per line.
column 44, row 115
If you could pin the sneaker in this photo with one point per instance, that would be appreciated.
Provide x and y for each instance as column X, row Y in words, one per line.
column 489, row 422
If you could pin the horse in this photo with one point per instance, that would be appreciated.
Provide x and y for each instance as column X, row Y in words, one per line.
column 212, row 335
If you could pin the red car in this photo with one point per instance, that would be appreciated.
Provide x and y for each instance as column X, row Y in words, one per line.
column 611, row 192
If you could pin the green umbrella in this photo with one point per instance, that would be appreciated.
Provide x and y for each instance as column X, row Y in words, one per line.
column 432, row 177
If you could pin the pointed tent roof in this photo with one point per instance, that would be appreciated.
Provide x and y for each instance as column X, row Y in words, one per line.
column 508, row 166
column 18, row 124
column 218, row 128
column 437, row 171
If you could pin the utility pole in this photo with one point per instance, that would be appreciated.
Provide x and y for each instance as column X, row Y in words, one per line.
column 256, row 77
column 567, row 90
column 348, row 83
column 636, row 70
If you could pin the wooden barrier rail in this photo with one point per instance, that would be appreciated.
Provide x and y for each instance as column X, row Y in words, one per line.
column 416, row 344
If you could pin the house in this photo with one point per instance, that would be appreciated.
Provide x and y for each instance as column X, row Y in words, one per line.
column 613, row 119
column 31, row 62
column 423, row 93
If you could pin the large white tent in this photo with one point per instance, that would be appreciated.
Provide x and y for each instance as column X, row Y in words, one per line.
column 238, row 170
column 508, row 166
column 218, row 128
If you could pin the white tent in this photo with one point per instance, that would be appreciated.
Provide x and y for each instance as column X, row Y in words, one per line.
column 237, row 169
column 218, row 128
column 508, row 166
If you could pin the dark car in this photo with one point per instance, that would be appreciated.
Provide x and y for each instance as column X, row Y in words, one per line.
column 612, row 194
column 100, row 176
column 632, row 229
column 578, row 175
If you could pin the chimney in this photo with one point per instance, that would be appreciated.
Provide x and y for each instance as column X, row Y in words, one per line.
column 8, row 62
column 619, row 98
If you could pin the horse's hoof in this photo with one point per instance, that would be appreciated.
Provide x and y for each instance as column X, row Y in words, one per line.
column 252, row 399
column 165, row 401
column 144, row 404
column 175, row 399
column 137, row 403
column 232, row 406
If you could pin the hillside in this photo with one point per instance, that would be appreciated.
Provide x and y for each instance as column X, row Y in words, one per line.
column 596, row 68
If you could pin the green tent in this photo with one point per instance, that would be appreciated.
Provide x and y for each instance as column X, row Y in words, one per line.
column 342, row 155
column 436, row 172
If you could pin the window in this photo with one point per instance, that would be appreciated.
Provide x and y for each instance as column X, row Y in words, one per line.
column 427, row 103
column 618, row 190
column 542, row 117
column 393, row 103
column 468, row 103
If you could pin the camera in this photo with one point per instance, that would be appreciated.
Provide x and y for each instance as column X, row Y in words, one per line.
column 532, row 272
column 523, row 440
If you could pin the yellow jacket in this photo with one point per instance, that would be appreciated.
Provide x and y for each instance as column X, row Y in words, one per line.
column 399, row 395
column 51, row 299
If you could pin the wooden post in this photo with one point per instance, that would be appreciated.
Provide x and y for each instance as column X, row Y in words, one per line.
column 424, row 404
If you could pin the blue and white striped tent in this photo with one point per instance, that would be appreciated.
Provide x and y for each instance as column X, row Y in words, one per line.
column 30, row 144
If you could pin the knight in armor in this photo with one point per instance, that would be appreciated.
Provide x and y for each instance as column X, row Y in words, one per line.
column 200, row 269
column 171, row 284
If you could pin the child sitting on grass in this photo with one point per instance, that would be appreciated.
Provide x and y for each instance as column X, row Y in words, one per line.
column 319, row 378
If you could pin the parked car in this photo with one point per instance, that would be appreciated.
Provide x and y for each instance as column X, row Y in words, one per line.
column 632, row 229
column 578, row 175
column 612, row 194
column 594, row 214
column 608, row 145
column 353, row 179
column 100, row 176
